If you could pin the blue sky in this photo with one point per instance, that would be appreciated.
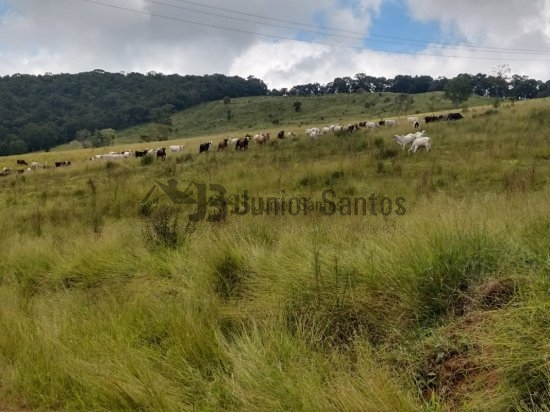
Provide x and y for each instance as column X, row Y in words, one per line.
column 394, row 23
column 240, row 37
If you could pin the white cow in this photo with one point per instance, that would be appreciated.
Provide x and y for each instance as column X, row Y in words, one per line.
column 404, row 140
column 391, row 122
column 177, row 148
column 423, row 141
column 371, row 125
column 313, row 133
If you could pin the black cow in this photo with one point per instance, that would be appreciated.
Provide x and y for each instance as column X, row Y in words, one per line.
column 161, row 153
column 204, row 147
column 416, row 125
column 429, row 119
column 382, row 123
column 455, row 116
column 141, row 153
column 22, row 162
column 242, row 143
column 64, row 163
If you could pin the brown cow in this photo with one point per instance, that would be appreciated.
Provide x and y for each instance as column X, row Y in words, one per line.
column 223, row 144
column 261, row 138
column 242, row 143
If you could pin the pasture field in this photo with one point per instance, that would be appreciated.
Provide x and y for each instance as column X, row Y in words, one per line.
column 110, row 303
column 247, row 114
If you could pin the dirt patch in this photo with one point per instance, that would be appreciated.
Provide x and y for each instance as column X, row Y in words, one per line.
column 496, row 293
column 455, row 366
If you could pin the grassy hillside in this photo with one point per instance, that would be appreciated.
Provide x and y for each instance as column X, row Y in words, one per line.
column 435, row 299
column 245, row 115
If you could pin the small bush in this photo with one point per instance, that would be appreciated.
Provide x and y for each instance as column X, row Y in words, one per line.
column 187, row 157
column 147, row 160
column 519, row 180
column 230, row 275
column 110, row 165
column 163, row 228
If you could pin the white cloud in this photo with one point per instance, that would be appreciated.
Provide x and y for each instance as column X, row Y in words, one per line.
column 71, row 36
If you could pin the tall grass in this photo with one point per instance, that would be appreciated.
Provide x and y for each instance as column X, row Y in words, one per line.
column 108, row 302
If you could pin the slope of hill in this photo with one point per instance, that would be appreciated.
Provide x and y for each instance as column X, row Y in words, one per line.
column 342, row 274
column 251, row 114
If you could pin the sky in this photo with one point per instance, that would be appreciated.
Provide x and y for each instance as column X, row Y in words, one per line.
column 284, row 43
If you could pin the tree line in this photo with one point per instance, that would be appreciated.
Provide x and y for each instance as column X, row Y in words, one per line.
column 38, row 112
column 499, row 86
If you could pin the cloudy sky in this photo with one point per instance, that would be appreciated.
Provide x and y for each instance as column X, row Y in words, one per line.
column 282, row 42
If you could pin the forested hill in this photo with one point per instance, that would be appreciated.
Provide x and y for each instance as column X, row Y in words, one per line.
column 39, row 112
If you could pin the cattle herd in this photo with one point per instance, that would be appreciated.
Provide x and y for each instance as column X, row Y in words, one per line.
column 416, row 140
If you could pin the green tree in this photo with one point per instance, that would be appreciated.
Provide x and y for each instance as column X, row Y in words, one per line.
column 17, row 147
column 83, row 137
column 459, row 89
column 160, row 131
column 297, row 106
column 104, row 137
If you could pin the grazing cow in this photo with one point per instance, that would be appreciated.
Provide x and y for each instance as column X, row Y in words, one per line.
column 352, row 128
column 161, row 152
column 264, row 137
column 391, row 122
column 22, row 162
column 381, row 123
column 412, row 119
column 371, row 125
column 429, row 119
column 404, row 140
column 423, row 141
column 62, row 164
column 178, row 148
column 204, row 147
column 113, row 156
column 454, row 116
column 408, row 138
column 281, row 134
column 362, row 124
column 242, row 143
column 35, row 165
column 313, row 133
column 223, row 144
column 140, row 153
